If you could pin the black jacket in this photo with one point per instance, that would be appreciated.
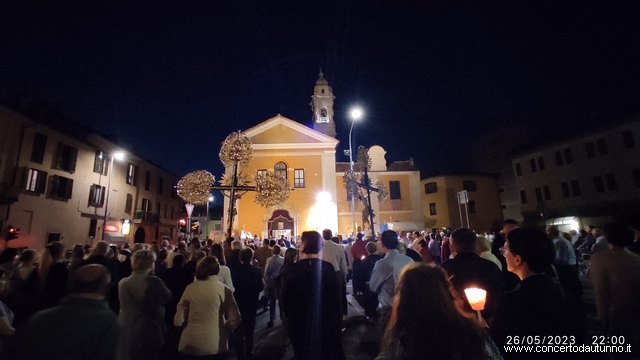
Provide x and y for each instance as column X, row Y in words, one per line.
column 537, row 307
column 470, row 270
column 247, row 281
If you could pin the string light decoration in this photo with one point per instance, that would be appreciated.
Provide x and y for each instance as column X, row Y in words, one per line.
column 195, row 187
column 362, row 159
column 383, row 193
column 271, row 190
column 236, row 149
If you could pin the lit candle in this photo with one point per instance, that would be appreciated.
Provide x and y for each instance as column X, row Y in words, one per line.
column 477, row 298
column 362, row 257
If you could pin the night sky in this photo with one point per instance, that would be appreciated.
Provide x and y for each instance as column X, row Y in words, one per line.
column 171, row 79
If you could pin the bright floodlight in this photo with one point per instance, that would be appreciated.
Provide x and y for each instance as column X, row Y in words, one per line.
column 356, row 114
column 210, row 198
column 323, row 197
column 119, row 155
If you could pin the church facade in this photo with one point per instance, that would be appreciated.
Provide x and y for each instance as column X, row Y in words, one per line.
column 306, row 157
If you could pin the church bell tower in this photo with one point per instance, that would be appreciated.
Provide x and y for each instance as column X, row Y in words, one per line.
column 322, row 107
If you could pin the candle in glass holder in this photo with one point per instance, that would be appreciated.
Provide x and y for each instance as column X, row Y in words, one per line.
column 477, row 298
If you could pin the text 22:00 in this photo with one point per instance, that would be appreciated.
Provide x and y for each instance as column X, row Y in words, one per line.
column 607, row 340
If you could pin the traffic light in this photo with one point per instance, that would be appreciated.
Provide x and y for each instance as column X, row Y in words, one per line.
column 182, row 226
column 12, row 233
column 195, row 227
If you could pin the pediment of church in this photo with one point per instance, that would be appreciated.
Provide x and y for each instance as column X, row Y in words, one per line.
column 281, row 132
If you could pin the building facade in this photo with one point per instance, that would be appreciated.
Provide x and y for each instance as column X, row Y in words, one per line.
column 64, row 177
column 307, row 159
column 590, row 179
column 402, row 211
column 443, row 209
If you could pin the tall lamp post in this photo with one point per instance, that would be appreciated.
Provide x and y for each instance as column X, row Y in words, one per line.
column 356, row 114
column 118, row 155
column 210, row 200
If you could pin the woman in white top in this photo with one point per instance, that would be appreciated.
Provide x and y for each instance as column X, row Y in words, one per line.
column 225, row 274
column 209, row 310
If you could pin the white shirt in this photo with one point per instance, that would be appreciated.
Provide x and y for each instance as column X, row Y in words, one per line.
column 334, row 254
column 224, row 276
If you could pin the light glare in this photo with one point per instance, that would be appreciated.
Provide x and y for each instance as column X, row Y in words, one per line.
column 356, row 114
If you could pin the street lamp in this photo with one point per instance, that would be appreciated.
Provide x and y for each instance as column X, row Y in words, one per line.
column 118, row 155
column 207, row 222
column 356, row 114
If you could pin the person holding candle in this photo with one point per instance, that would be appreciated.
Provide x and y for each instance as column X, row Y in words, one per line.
column 537, row 306
column 468, row 270
column 425, row 322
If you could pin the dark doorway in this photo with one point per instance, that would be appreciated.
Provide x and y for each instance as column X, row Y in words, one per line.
column 139, row 236
column 281, row 224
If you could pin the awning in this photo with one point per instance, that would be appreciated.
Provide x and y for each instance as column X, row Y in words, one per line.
column 568, row 220
column 401, row 226
column 114, row 237
column 572, row 221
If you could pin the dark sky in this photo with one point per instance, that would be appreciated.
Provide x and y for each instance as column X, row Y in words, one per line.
column 173, row 78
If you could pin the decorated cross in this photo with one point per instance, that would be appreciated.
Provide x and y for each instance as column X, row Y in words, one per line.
column 358, row 182
column 236, row 152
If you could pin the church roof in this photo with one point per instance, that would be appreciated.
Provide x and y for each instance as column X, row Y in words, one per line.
column 407, row 165
column 280, row 132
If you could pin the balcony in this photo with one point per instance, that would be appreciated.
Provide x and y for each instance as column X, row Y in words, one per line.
column 146, row 217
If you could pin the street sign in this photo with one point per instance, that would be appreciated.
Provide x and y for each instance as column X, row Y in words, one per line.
column 462, row 197
column 189, row 208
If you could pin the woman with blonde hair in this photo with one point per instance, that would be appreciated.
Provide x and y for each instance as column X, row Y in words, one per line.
column 224, row 275
column 426, row 324
column 483, row 249
column 142, row 300
column 210, row 312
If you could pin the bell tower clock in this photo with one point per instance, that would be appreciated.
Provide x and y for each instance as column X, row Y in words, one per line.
column 322, row 107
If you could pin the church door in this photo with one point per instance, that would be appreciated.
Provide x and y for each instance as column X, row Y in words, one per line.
column 281, row 224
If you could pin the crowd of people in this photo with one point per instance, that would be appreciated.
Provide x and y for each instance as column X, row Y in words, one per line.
column 199, row 299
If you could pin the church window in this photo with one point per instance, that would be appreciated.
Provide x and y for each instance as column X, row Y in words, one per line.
column 298, row 178
column 394, row 190
column 280, row 169
column 322, row 91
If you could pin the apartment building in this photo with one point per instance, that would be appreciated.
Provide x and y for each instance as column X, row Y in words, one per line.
column 481, row 212
column 59, row 177
column 587, row 179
